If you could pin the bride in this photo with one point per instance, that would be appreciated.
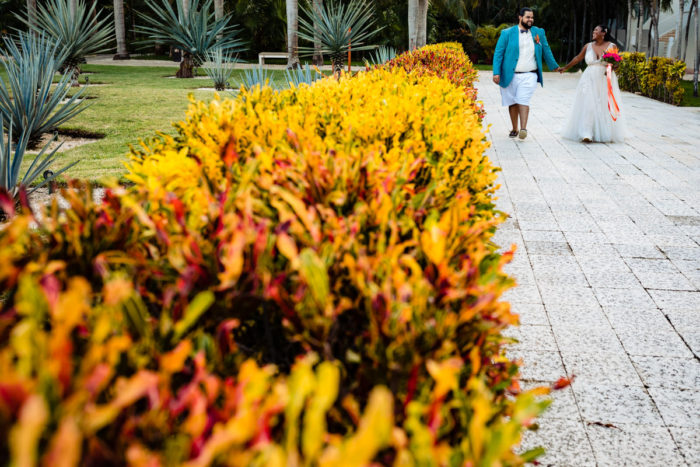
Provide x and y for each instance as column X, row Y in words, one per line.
column 591, row 118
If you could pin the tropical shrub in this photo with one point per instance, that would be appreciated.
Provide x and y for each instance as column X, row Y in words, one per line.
column 305, row 75
column 29, row 100
column 11, row 163
column 656, row 77
column 78, row 34
column 195, row 31
column 284, row 261
column 257, row 76
column 339, row 27
column 219, row 68
column 487, row 37
column 382, row 55
column 445, row 61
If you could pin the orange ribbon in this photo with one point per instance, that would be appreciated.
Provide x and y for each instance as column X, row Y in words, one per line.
column 613, row 108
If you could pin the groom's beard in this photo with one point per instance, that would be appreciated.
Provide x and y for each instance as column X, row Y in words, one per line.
column 525, row 25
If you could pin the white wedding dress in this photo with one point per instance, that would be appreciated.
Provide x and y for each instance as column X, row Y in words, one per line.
column 590, row 117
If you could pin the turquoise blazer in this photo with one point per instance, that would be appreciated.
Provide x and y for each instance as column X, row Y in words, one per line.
column 508, row 49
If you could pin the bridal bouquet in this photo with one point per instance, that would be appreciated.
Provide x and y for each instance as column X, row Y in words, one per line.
column 612, row 57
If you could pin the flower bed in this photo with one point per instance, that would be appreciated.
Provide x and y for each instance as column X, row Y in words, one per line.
column 656, row 77
column 303, row 276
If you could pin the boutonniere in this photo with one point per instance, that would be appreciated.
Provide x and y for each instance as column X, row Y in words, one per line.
column 537, row 38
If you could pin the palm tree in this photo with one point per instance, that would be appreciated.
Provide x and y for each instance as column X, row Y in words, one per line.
column 120, row 31
column 318, row 55
column 218, row 9
column 192, row 29
column 78, row 33
column 417, row 23
column 292, row 34
column 338, row 26
column 31, row 13
column 679, row 29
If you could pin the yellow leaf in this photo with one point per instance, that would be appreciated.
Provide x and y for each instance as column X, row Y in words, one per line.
column 25, row 435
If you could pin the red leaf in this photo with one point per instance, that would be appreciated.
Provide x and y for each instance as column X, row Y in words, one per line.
column 563, row 382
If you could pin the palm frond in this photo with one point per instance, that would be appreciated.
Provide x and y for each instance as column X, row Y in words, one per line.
column 77, row 34
column 338, row 26
column 27, row 99
column 196, row 32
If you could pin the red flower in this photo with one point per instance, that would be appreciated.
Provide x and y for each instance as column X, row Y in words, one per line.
column 537, row 38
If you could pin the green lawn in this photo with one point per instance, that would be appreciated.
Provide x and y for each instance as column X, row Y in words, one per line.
column 135, row 102
column 688, row 99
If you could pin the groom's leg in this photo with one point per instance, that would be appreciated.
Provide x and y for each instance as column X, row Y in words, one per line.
column 524, row 111
column 513, row 111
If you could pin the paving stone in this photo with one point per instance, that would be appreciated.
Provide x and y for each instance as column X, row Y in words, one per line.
column 652, row 342
column 531, row 338
column 688, row 440
column 659, row 274
column 524, row 293
column 590, row 317
column 565, row 442
column 548, row 248
column 616, row 404
column 670, row 300
column 554, row 295
column 544, row 366
column 665, row 372
column 600, row 368
column 682, row 253
column 630, row 297
column 692, row 338
column 628, row 444
column 531, row 313
column 638, row 251
column 678, row 407
column 543, row 236
column 580, row 339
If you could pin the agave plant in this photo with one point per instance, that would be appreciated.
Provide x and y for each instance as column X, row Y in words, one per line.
column 219, row 67
column 27, row 100
column 195, row 31
column 257, row 76
column 382, row 55
column 79, row 31
column 11, row 161
column 338, row 26
column 303, row 74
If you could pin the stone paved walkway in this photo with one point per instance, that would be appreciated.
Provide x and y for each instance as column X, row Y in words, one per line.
column 608, row 266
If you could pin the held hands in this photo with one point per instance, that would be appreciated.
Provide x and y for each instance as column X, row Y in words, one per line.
column 497, row 79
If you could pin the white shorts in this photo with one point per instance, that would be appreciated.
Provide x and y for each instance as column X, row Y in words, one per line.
column 520, row 89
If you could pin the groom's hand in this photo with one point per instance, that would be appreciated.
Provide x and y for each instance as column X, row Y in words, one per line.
column 496, row 79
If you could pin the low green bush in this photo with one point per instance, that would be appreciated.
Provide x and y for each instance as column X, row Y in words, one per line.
column 656, row 77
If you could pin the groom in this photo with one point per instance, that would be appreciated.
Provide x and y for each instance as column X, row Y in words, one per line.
column 517, row 67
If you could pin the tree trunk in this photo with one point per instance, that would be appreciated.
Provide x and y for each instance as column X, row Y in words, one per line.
column 185, row 8
column 218, row 9
column 73, row 7
column 412, row 23
column 628, row 31
column 318, row 55
column 697, row 48
column 422, row 29
column 120, row 31
column 687, row 29
column 679, row 29
column 31, row 13
column 654, row 46
column 293, row 34
column 186, row 66
column 640, row 27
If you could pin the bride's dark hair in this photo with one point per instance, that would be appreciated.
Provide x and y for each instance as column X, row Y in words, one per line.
column 606, row 30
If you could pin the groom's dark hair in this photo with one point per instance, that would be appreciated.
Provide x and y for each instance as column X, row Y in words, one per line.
column 524, row 10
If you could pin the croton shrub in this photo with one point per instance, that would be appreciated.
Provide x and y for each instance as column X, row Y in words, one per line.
column 302, row 277
column 660, row 78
